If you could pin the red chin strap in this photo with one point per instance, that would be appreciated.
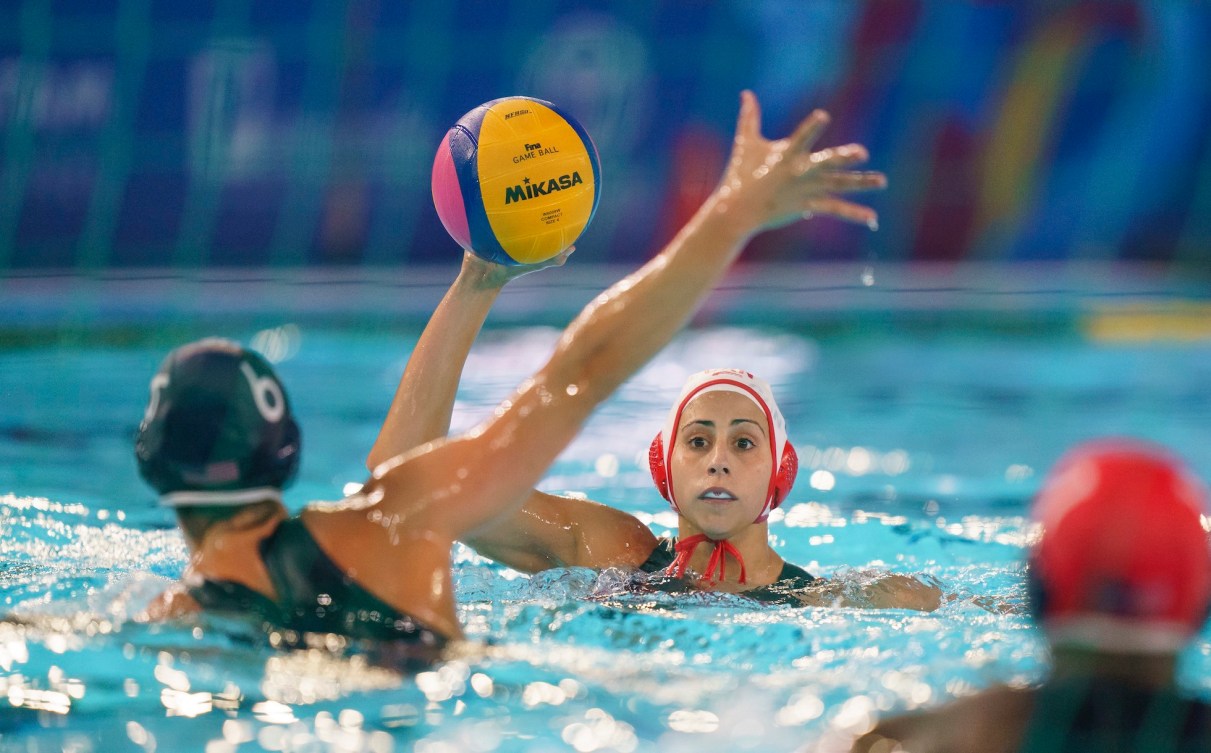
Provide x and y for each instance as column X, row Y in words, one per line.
column 685, row 549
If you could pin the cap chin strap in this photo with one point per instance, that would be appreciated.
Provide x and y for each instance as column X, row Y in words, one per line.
column 685, row 549
column 232, row 498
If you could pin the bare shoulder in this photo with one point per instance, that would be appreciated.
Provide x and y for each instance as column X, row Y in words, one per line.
column 991, row 721
column 607, row 536
column 357, row 523
column 401, row 560
column 385, row 550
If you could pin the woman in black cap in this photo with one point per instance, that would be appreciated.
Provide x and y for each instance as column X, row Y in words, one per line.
column 218, row 442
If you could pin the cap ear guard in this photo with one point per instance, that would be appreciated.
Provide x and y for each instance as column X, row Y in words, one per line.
column 784, row 479
column 660, row 474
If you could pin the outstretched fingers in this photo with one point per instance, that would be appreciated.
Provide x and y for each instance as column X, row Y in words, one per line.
column 840, row 157
column 748, row 124
column 852, row 181
column 781, row 180
column 808, row 131
column 843, row 210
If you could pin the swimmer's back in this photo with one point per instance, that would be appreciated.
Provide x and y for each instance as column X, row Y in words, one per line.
column 1083, row 715
column 313, row 595
column 1094, row 714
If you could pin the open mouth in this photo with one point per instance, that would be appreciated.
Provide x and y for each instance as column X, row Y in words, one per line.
column 716, row 494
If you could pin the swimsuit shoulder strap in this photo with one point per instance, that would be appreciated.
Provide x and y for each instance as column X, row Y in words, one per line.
column 661, row 557
column 320, row 597
column 228, row 596
column 292, row 558
column 796, row 574
column 792, row 578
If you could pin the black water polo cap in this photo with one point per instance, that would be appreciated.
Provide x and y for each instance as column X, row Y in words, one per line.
column 218, row 428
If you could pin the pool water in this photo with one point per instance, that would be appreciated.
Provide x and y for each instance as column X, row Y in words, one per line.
column 920, row 448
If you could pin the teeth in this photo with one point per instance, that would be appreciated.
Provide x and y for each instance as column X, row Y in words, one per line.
column 716, row 495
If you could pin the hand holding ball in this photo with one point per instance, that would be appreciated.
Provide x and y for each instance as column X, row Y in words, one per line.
column 516, row 180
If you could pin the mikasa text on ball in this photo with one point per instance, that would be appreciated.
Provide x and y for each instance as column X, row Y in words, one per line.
column 516, row 180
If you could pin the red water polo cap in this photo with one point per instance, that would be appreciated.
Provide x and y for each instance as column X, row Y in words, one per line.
column 1123, row 562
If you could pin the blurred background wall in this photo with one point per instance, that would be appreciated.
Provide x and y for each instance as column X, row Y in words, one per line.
column 250, row 133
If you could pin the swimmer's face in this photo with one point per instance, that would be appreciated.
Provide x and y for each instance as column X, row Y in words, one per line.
column 721, row 463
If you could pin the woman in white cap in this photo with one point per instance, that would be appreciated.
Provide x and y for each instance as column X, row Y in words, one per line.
column 723, row 461
column 218, row 444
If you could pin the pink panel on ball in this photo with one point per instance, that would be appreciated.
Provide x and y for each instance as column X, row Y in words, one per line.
column 448, row 196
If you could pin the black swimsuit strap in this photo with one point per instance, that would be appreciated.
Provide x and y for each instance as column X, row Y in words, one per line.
column 323, row 598
column 291, row 556
column 791, row 578
column 316, row 596
column 226, row 596
column 661, row 557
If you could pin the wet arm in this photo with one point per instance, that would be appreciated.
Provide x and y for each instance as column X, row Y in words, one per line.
column 424, row 401
column 884, row 591
column 899, row 591
column 492, row 469
column 553, row 531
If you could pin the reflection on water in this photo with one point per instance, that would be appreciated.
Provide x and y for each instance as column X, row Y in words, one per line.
column 916, row 457
column 569, row 656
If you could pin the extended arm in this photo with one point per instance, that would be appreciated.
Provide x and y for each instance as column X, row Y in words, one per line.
column 460, row 485
column 548, row 531
column 880, row 591
column 421, row 409
column 553, row 531
column 396, row 537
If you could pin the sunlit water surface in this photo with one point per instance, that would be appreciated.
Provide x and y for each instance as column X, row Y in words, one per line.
column 918, row 456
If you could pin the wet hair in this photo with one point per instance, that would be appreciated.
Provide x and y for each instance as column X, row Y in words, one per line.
column 218, row 430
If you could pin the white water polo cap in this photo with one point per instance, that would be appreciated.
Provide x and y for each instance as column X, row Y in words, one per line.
column 785, row 462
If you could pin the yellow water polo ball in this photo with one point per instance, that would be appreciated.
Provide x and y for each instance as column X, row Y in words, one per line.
column 516, row 180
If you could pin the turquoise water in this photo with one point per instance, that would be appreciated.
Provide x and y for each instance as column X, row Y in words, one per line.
column 920, row 443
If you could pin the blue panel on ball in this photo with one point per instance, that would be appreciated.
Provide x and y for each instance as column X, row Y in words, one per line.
column 590, row 148
column 464, row 147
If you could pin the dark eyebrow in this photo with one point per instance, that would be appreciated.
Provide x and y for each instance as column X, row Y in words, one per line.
column 735, row 422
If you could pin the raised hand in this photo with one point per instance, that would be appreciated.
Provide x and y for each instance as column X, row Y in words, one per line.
column 769, row 184
column 493, row 275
